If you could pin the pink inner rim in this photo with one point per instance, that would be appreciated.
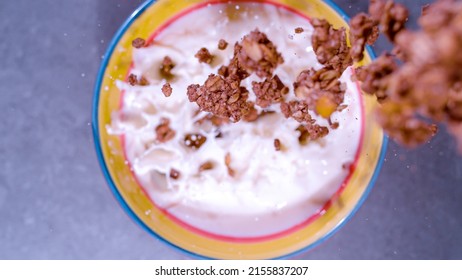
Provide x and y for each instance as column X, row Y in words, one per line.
column 280, row 234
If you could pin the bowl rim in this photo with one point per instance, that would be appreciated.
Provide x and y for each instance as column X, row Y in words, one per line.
column 112, row 186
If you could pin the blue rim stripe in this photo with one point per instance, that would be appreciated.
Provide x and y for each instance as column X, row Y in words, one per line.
column 119, row 197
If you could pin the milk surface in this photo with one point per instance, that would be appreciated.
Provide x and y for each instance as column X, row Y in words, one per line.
column 271, row 191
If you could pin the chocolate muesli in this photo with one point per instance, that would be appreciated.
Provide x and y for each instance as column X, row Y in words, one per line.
column 167, row 89
column 419, row 82
column 242, row 124
column 260, row 130
column 138, row 43
column 222, row 44
column 204, row 56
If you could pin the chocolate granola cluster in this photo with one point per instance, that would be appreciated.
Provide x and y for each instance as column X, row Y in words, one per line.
column 321, row 90
column 375, row 76
column 222, row 94
column 390, row 16
column 204, row 56
column 166, row 67
column 363, row 30
column 133, row 80
column 420, row 83
column 163, row 131
column 315, row 86
column 258, row 54
column 223, row 97
column 269, row 91
column 318, row 91
column 330, row 45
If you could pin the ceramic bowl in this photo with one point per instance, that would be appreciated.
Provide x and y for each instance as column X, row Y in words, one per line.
column 146, row 21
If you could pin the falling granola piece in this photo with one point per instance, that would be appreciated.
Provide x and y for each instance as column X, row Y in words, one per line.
column 138, row 43
column 277, row 144
column 424, row 9
column 439, row 15
column 204, row 56
column 269, row 91
column 403, row 126
column 223, row 71
column 252, row 115
column 299, row 30
column 167, row 89
column 363, row 30
column 298, row 110
column 208, row 165
column 175, row 174
column 316, row 131
column 143, row 81
column 167, row 65
column 391, row 17
column 214, row 120
column 163, row 131
column 311, row 132
column 194, row 140
column 453, row 106
column 222, row 44
column 235, row 70
column 376, row 9
column 310, row 84
column 222, row 97
column 231, row 171
column 166, row 68
column 333, row 125
column 133, row 80
column 455, row 128
column 320, row 90
column 330, row 45
column 217, row 121
column 427, row 86
column 303, row 137
column 342, row 107
column 258, row 54
column 374, row 76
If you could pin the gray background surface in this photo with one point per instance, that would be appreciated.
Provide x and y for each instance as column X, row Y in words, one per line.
column 54, row 201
